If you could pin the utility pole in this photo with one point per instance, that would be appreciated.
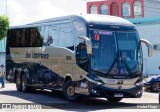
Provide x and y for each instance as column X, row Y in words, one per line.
column 6, row 7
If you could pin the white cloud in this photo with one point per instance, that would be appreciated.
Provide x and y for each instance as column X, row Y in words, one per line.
column 26, row 11
column 16, row 13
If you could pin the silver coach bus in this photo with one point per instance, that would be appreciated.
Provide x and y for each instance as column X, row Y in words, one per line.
column 91, row 55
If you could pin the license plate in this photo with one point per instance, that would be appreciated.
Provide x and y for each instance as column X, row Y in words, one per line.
column 118, row 95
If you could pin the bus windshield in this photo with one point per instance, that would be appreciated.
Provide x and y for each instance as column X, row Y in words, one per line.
column 104, row 50
column 115, row 53
column 129, row 53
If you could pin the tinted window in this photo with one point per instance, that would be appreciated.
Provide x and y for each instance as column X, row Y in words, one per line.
column 79, row 29
column 80, row 47
column 66, row 36
column 130, row 40
column 82, row 56
column 55, row 35
column 26, row 37
column 59, row 35
column 104, row 50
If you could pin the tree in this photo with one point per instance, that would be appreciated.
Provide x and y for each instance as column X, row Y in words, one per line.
column 4, row 26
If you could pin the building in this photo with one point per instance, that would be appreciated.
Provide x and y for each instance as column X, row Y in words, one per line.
column 149, row 28
column 2, row 51
column 145, row 15
column 125, row 8
column 151, row 8
column 122, row 8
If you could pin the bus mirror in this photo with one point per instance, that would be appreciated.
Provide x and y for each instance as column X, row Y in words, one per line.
column 149, row 45
column 88, row 44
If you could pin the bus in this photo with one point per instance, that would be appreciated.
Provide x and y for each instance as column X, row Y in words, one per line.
column 81, row 55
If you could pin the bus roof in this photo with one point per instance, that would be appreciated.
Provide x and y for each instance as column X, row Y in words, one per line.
column 87, row 18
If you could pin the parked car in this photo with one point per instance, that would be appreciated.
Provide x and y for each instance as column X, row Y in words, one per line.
column 152, row 83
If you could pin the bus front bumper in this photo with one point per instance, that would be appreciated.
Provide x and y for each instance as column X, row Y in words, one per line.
column 85, row 87
column 103, row 91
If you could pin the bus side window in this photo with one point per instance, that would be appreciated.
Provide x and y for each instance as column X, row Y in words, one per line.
column 10, row 37
column 23, row 38
column 46, row 35
column 38, row 38
column 27, row 37
column 66, row 36
column 32, row 37
column 82, row 56
column 54, row 31
column 17, row 38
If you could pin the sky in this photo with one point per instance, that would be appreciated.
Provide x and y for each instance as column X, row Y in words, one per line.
column 27, row 11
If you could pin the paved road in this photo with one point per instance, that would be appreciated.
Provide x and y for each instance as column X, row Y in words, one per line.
column 56, row 100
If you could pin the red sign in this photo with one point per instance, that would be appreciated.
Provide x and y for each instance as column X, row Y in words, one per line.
column 96, row 37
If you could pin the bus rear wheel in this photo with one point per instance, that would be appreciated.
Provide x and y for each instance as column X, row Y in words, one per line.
column 25, row 87
column 18, row 83
column 69, row 91
column 111, row 99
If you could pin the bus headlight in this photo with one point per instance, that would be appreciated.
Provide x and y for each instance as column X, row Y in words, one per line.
column 139, row 83
column 98, row 83
column 94, row 81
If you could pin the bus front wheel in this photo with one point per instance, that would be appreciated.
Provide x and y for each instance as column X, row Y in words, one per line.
column 69, row 91
column 110, row 99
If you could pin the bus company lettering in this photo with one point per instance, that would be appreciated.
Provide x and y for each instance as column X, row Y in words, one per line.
column 37, row 55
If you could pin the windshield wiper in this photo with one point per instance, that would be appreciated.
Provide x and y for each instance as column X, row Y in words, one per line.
column 99, row 72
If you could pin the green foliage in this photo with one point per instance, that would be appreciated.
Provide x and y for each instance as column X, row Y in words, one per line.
column 4, row 26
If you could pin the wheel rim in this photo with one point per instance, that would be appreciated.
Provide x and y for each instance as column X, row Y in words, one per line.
column 70, row 91
column 156, row 87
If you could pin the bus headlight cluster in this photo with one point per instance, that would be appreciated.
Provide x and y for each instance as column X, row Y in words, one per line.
column 139, row 83
column 98, row 83
column 93, row 81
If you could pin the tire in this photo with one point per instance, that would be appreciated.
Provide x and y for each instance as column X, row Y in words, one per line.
column 111, row 99
column 69, row 91
column 18, row 83
column 155, row 87
column 25, row 88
